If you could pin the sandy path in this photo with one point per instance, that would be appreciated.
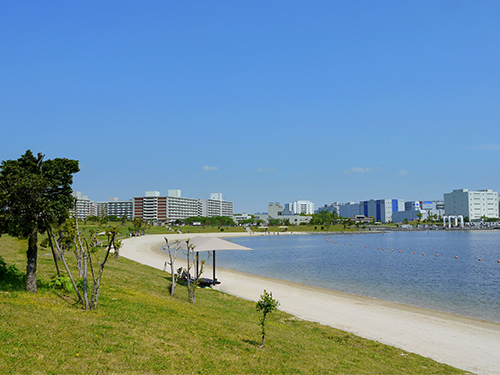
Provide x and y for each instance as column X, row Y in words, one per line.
column 465, row 343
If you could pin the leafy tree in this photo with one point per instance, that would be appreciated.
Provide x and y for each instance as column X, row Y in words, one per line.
column 324, row 218
column 137, row 223
column 275, row 222
column 267, row 304
column 259, row 222
column 34, row 194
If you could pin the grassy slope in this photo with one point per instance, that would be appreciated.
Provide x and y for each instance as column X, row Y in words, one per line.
column 140, row 329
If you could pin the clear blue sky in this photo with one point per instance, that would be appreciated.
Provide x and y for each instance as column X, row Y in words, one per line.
column 260, row 100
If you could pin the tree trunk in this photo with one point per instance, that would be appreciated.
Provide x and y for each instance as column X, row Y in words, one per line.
column 32, row 254
column 54, row 255
column 85, row 283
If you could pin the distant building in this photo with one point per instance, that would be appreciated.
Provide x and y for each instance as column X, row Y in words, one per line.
column 472, row 204
column 115, row 207
column 215, row 206
column 381, row 209
column 349, row 209
column 331, row 208
column 275, row 210
column 238, row 218
column 422, row 210
column 302, row 207
column 412, row 205
column 433, row 208
column 84, row 206
column 153, row 206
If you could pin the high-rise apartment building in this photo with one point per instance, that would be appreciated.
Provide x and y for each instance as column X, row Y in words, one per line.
column 301, row 207
column 117, row 208
column 84, row 206
column 153, row 206
column 215, row 206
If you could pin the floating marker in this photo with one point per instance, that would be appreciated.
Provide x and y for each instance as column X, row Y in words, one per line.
column 437, row 255
column 423, row 253
column 479, row 259
column 456, row 257
column 399, row 250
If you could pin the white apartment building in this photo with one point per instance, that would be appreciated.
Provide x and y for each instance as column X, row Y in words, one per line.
column 302, row 207
column 472, row 204
column 115, row 207
column 84, row 206
column 215, row 206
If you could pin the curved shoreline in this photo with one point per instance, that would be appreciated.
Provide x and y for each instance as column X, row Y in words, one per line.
column 467, row 343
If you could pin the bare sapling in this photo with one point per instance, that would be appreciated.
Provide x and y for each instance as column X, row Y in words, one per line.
column 172, row 254
column 192, row 284
column 90, row 257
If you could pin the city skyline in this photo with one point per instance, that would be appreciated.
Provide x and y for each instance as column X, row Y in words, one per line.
column 324, row 101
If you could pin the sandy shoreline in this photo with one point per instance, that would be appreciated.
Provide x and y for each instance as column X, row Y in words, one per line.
column 462, row 342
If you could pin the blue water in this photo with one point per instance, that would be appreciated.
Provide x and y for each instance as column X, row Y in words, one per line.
column 358, row 265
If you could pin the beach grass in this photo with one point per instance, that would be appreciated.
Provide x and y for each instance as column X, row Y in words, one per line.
column 139, row 328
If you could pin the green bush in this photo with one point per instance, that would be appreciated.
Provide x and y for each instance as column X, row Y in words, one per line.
column 61, row 283
column 10, row 277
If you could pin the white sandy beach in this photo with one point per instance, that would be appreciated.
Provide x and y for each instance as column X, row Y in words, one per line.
column 466, row 343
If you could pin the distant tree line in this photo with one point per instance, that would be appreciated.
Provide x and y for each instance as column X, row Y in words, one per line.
column 215, row 221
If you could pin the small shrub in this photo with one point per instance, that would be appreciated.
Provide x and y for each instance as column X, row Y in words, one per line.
column 267, row 304
column 10, row 277
column 61, row 283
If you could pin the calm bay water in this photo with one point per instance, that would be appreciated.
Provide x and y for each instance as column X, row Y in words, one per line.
column 355, row 265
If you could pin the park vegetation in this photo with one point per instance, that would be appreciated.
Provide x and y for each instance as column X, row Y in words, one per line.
column 35, row 194
column 139, row 328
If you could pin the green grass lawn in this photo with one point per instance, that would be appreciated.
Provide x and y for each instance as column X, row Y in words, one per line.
column 139, row 328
